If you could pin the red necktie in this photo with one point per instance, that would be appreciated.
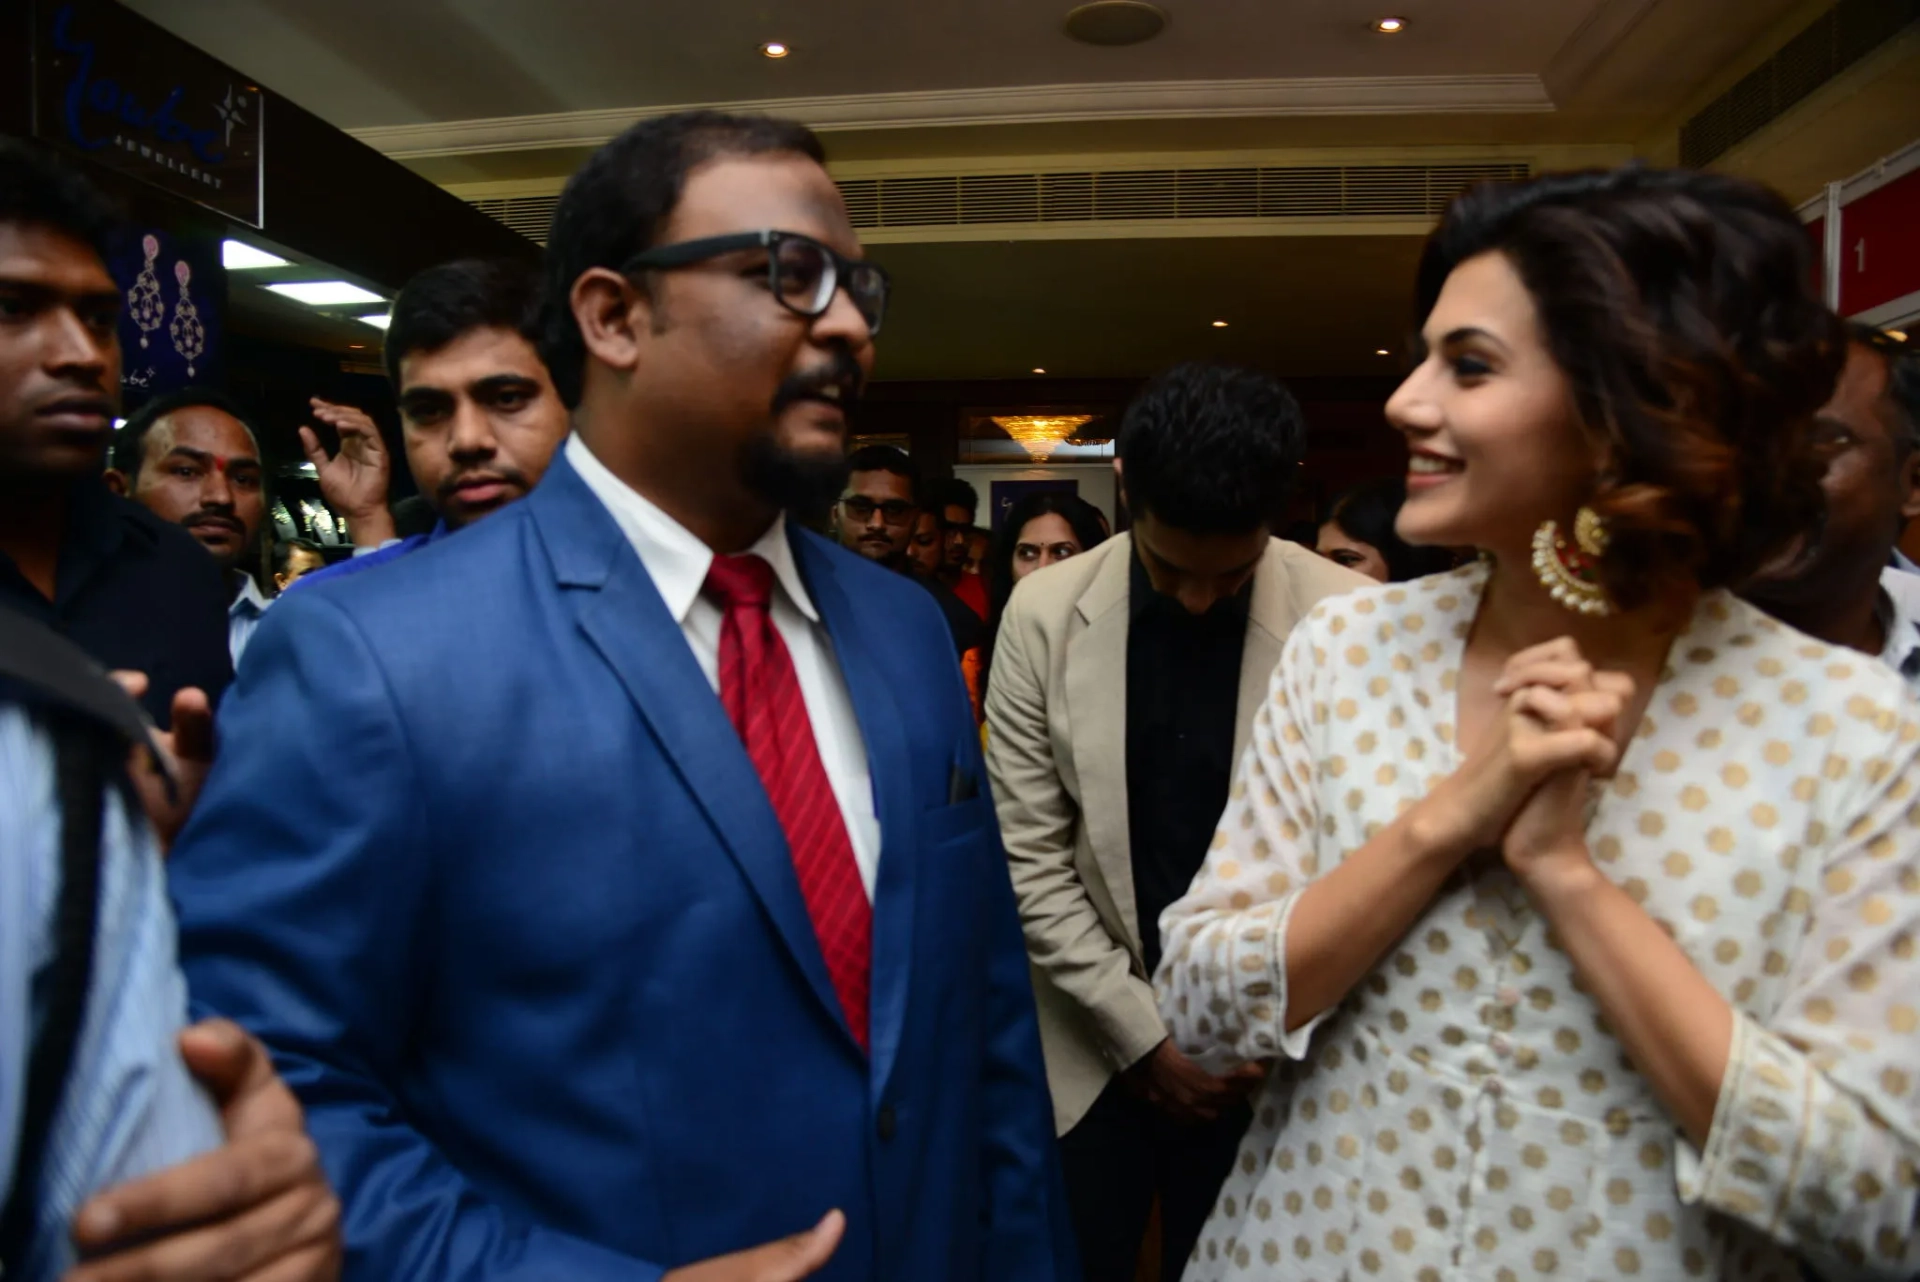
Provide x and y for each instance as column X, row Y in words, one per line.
column 761, row 693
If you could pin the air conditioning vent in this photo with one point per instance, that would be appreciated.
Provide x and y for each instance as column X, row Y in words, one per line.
column 1835, row 41
column 529, row 215
column 1128, row 195
column 1132, row 195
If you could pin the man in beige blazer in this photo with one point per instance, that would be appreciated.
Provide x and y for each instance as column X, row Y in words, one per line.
column 1122, row 686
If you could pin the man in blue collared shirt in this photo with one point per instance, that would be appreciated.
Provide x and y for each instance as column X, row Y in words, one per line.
column 478, row 410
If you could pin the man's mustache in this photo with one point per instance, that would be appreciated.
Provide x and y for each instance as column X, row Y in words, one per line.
column 842, row 372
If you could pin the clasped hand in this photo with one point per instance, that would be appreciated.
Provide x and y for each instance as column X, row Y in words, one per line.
column 1525, row 791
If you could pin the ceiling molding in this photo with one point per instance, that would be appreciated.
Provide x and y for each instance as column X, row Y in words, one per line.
column 1029, row 104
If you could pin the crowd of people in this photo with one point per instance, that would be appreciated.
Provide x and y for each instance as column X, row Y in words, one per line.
column 705, row 853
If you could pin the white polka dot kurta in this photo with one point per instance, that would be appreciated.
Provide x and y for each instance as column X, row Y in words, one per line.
column 1465, row 1113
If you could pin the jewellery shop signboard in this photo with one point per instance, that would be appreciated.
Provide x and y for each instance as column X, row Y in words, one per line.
column 121, row 91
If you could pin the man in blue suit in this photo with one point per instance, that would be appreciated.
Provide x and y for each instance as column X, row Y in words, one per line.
column 646, row 904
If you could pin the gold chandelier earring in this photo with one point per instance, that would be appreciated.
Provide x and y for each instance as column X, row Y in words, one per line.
column 1571, row 572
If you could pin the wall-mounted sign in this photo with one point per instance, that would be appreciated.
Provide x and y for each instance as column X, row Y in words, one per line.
column 132, row 98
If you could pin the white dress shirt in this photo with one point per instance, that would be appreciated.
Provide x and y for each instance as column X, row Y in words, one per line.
column 678, row 562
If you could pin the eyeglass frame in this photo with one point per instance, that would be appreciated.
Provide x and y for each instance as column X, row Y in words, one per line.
column 687, row 253
column 906, row 516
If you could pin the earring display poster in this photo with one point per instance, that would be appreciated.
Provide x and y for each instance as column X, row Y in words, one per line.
column 1004, row 494
column 173, row 295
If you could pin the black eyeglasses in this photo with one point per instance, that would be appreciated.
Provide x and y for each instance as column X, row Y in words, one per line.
column 892, row 511
column 803, row 272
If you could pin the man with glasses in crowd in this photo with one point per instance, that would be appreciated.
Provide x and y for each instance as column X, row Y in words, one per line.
column 663, row 912
column 876, row 518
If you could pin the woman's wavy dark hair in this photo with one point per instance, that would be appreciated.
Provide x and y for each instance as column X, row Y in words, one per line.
column 1681, row 307
column 1367, row 514
column 1082, row 517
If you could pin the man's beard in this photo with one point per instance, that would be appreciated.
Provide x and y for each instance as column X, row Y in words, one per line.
column 805, row 486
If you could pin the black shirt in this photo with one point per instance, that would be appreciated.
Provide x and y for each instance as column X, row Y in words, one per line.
column 1183, row 691
column 961, row 620
column 134, row 592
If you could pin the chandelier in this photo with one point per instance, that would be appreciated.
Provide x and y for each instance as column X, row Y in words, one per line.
column 1040, row 434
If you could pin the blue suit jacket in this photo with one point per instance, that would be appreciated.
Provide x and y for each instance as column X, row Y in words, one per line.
column 486, row 866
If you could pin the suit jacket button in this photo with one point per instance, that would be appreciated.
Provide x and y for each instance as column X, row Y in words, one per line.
column 884, row 1124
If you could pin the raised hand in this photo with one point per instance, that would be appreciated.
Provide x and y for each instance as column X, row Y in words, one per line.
column 188, row 748
column 787, row 1260
column 354, row 481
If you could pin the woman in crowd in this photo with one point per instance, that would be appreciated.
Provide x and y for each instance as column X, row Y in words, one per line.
column 1576, row 901
column 1359, row 534
column 1039, row 530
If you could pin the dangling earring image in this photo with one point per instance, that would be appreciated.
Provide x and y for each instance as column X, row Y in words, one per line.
column 1570, row 573
column 188, row 334
column 144, row 303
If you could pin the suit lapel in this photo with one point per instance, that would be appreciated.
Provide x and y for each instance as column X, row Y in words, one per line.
column 881, row 728
column 1270, row 617
column 1096, row 680
column 626, row 623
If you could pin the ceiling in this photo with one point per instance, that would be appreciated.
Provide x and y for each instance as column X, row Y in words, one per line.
column 1123, row 308
column 472, row 92
column 364, row 63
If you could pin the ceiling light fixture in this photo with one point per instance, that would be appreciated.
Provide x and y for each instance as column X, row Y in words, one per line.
column 1038, row 370
column 1389, row 26
column 1040, row 434
column 1115, row 22
column 1219, row 324
column 238, row 256
column 325, row 293
column 378, row 320
column 1897, row 335
column 1381, row 351
column 774, row 49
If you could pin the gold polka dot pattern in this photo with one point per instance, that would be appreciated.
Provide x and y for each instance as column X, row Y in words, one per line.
column 1466, row 1112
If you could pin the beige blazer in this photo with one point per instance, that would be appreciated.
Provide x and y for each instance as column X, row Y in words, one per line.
column 1056, row 753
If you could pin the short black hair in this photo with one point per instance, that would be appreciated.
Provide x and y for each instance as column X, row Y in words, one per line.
column 616, row 204
column 1211, row 449
column 37, row 189
column 1902, row 356
column 886, row 458
column 283, row 550
column 951, row 491
column 1367, row 514
column 444, row 302
column 130, row 442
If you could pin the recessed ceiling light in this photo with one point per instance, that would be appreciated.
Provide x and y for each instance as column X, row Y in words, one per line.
column 325, row 293
column 378, row 320
column 1038, row 370
column 355, row 346
column 1381, row 351
column 774, row 49
column 1389, row 26
column 238, row 256
column 1897, row 335
column 1219, row 324
column 1115, row 22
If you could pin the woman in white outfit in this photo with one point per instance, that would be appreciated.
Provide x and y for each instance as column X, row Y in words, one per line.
column 1574, row 900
